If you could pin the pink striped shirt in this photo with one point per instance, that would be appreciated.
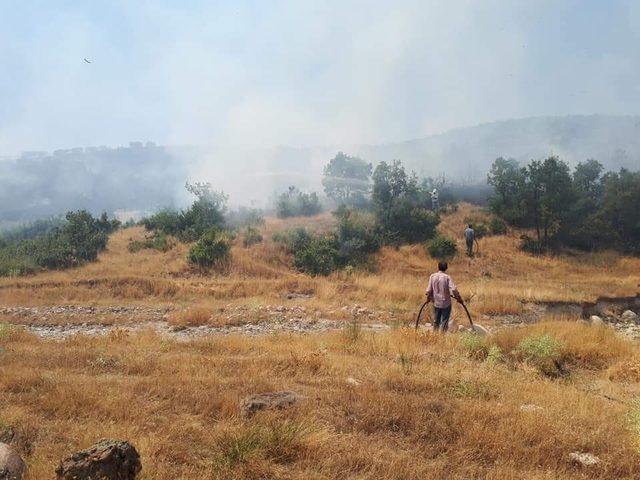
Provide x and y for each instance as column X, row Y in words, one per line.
column 440, row 289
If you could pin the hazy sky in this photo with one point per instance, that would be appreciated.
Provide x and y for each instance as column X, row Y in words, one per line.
column 296, row 72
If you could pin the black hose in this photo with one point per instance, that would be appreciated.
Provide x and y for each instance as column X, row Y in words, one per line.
column 420, row 313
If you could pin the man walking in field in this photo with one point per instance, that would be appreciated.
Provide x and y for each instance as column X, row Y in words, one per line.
column 469, row 237
column 440, row 290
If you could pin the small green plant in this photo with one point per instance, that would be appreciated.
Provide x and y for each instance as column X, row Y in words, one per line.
column 352, row 331
column 240, row 447
column 542, row 351
column 463, row 388
column 4, row 330
column 494, row 355
column 212, row 250
column 442, row 247
column 474, row 346
column 158, row 241
column 278, row 441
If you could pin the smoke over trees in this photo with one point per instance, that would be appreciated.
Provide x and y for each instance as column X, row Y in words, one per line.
column 138, row 177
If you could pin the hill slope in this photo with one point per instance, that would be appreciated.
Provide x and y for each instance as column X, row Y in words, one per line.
column 143, row 177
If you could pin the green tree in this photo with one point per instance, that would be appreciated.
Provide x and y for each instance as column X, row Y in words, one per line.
column 508, row 180
column 549, row 193
column 620, row 207
column 399, row 205
column 347, row 179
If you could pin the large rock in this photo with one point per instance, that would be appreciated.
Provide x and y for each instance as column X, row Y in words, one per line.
column 267, row 401
column 584, row 459
column 106, row 460
column 595, row 320
column 629, row 316
column 11, row 465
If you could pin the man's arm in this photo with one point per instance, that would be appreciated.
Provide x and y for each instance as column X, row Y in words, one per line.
column 454, row 291
column 429, row 292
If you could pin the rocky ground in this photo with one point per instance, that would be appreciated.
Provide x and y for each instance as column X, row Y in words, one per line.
column 61, row 321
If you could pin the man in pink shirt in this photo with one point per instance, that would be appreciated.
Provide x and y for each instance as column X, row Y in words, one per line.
column 440, row 290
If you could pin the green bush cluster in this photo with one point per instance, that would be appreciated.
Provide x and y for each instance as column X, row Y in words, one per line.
column 80, row 238
column 295, row 203
column 206, row 212
column 213, row 249
column 402, row 206
column 442, row 247
column 350, row 245
column 497, row 226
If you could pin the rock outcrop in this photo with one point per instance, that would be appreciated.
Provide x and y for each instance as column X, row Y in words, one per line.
column 267, row 401
column 106, row 460
column 12, row 467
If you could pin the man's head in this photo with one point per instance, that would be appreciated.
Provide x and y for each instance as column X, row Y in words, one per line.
column 470, row 226
column 442, row 266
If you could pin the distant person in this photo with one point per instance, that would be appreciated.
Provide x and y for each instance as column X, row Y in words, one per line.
column 435, row 200
column 440, row 290
column 469, row 237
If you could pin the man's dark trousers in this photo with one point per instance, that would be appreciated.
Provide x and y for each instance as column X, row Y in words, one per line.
column 441, row 318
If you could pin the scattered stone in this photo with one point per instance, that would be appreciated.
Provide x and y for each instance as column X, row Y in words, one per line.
column 106, row 460
column 584, row 459
column 11, row 465
column 353, row 382
column 596, row 320
column 530, row 407
column 479, row 329
column 629, row 316
column 267, row 401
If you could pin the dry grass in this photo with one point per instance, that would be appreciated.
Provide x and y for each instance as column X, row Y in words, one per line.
column 426, row 406
column 423, row 409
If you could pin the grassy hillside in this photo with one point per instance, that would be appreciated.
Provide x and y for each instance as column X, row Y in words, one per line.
column 393, row 405
column 499, row 279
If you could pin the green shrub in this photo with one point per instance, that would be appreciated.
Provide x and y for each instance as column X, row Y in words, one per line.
column 497, row 226
column 294, row 203
column 212, row 250
column 206, row 212
column 543, row 351
column 317, row 256
column 442, row 247
column 350, row 246
column 251, row 236
column 166, row 221
column 356, row 238
column 405, row 223
column 78, row 240
column 534, row 246
column 474, row 346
